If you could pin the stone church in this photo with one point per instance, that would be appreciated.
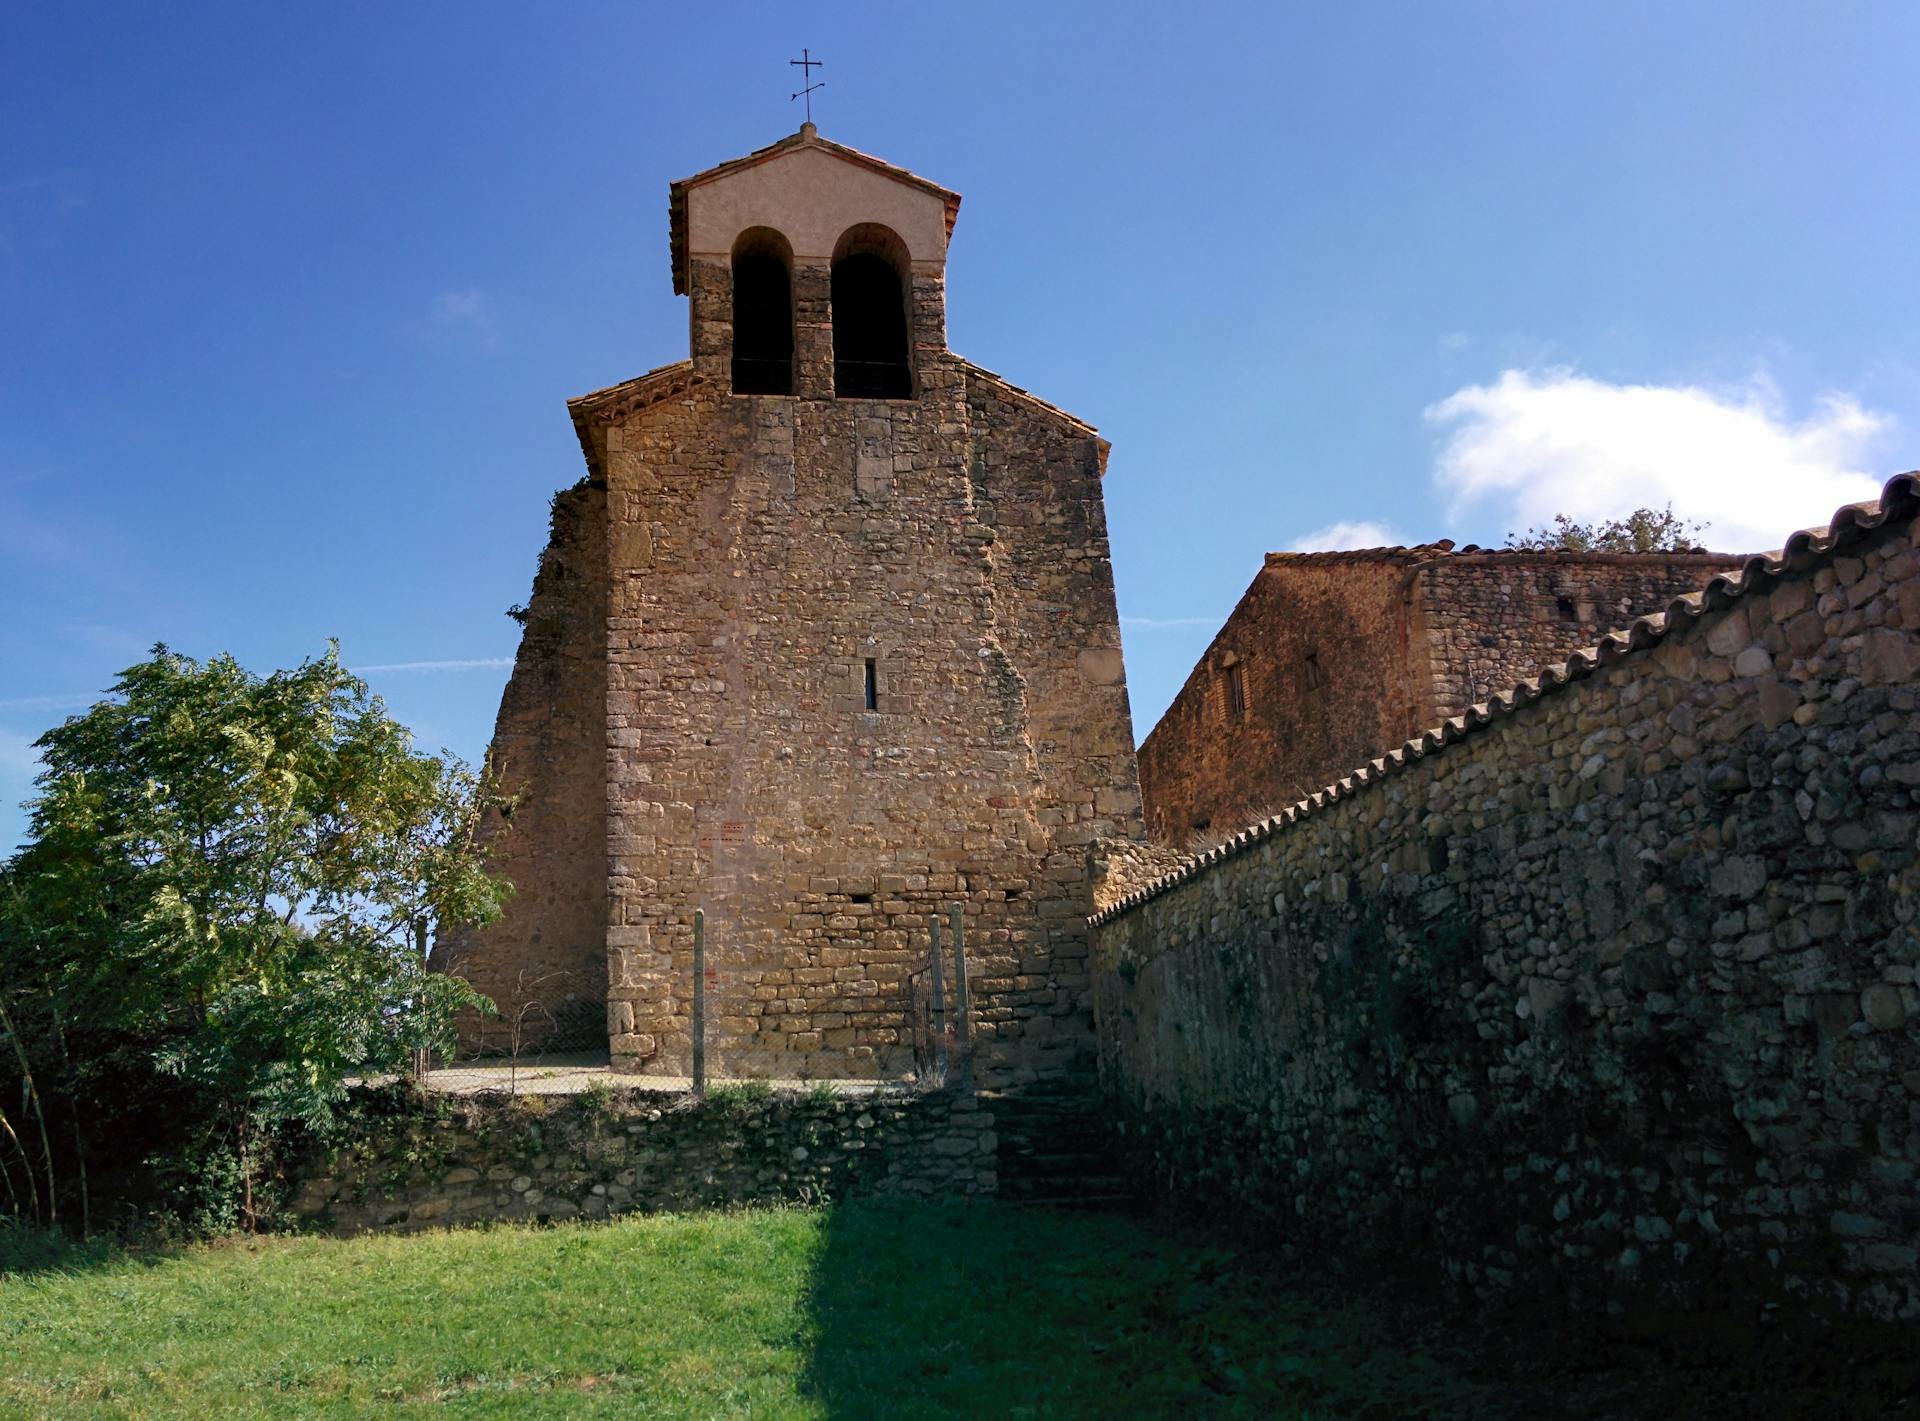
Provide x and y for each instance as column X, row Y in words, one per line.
column 823, row 644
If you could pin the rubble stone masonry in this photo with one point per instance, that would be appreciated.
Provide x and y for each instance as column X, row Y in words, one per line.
column 547, row 1158
column 1608, row 990
column 1487, row 621
column 1330, row 658
column 545, row 962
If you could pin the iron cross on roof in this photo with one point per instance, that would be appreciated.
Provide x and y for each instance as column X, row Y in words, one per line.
column 807, row 64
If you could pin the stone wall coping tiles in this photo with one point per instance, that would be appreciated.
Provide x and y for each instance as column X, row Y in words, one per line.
column 1899, row 501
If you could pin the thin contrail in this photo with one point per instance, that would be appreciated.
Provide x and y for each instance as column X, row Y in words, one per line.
column 76, row 701
column 476, row 663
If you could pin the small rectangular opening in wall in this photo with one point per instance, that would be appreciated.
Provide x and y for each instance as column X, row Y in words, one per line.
column 1236, row 691
column 872, row 685
column 1316, row 676
column 859, row 897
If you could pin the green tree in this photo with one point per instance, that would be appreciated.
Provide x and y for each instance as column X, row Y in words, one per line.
column 1645, row 530
column 229, row 881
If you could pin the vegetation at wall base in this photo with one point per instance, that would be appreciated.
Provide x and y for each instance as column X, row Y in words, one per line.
column 219, row 917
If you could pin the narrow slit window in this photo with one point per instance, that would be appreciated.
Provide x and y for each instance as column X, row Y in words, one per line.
column 872, row 685
column 1564, row 606
column 1236, row 691
column 1316, row 674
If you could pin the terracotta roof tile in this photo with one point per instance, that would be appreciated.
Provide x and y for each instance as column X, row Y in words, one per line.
column 1898, row 501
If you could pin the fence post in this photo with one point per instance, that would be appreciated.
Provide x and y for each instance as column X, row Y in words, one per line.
column 699, row 1001
column 937, row 1007
column 422, row 1056
column 962, row 999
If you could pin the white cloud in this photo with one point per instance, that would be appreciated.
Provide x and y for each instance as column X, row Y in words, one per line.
column 1538, row 443
column 469, row 310
column 1340, row 537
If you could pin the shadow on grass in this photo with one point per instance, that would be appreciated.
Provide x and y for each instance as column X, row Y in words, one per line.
column 32, row 1248
column 977, row 1309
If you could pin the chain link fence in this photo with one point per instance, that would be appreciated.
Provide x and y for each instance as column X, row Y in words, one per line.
column 721, row 1024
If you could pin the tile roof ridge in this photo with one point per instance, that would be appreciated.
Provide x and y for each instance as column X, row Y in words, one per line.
column 1446, row 548
column 1396, row 553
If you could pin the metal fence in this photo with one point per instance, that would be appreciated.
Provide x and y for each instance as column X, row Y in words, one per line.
column 549, row 1037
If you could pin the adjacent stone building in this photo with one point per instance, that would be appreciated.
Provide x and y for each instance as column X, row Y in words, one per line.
column 1331, row 658
column 824, row 644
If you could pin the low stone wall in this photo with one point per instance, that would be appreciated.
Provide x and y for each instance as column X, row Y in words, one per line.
column 1610, row 991
column 477, row 1160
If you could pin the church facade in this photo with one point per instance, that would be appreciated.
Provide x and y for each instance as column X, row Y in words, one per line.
column 823, row 645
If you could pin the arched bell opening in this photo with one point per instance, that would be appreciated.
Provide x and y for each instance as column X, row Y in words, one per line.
column 762, row 313
column 872, row 342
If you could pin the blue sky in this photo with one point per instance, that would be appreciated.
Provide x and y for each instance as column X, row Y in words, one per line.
column 291, row 297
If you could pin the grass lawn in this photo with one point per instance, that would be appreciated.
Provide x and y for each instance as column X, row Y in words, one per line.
column 859, row 1311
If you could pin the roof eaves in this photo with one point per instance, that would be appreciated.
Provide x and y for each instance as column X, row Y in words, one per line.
column 595, row 410
column 1025, row 396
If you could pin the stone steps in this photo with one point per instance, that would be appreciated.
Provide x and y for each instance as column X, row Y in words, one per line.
column 1055, row 1150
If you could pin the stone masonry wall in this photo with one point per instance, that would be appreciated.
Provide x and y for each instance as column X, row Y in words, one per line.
column 1612, row 990
column 762, row 549
column 1340, row 656
column 547, row 1158
column 1321, row 652
column 1489, row 620
column 549, row 947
